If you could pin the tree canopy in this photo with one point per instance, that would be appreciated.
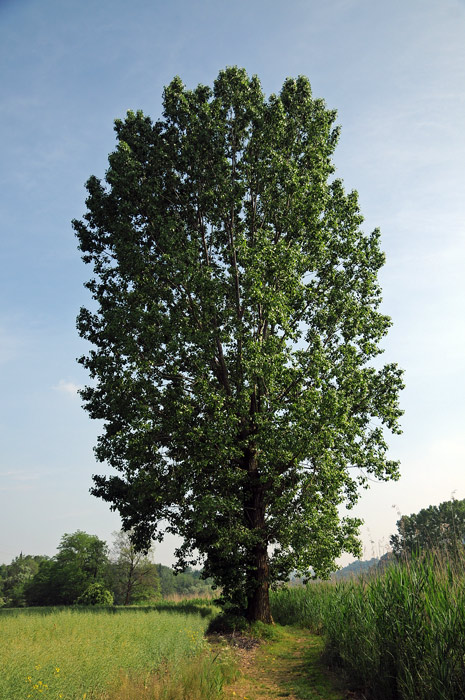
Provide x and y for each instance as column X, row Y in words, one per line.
column 440, row 528
column 81, row 560
column 15, row 577
column 234, row 323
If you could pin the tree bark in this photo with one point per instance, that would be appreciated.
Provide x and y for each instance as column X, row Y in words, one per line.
column 258, row 601
column 129, row 583
column 258, row 598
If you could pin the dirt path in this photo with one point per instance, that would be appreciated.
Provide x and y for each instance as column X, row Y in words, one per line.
column 288, row 666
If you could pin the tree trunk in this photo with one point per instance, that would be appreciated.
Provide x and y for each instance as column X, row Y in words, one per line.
column 258, row 602
column 129, row 583
column 258, row 598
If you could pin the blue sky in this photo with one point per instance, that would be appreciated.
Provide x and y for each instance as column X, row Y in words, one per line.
column 396, row 74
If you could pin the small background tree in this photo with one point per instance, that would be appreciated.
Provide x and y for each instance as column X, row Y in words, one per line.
column 190, row 583
column 82, row 559
column 134, row 575
column 440, row 528
column 15, row 577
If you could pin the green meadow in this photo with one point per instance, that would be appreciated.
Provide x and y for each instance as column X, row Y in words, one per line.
column 73, row 654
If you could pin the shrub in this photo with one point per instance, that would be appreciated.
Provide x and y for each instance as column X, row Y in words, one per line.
column 95, row 594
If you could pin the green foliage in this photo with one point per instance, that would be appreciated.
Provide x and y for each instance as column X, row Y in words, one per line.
column 95, row 594
column 15, row 577
column 82, row 559
column 398, row 636
column 186, row 583
column 236, row 319
column 44, row 587
column 305, row 606
column 439, row 527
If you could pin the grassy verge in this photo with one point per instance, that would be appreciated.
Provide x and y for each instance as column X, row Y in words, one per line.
column 200, row 678
column 397, row 636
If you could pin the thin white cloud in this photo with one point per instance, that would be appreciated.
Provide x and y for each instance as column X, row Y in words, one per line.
column 69, row 388
column 17, row 480
column 18, row 475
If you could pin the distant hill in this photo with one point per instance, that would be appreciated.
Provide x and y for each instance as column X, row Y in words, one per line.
column 355, row 568
column 386, row 560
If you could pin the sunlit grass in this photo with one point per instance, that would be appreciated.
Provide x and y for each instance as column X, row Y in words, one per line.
column 199, row 678
column 74, row 654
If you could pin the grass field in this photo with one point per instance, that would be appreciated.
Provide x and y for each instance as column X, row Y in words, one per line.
column 81, row 654
column 399, row 635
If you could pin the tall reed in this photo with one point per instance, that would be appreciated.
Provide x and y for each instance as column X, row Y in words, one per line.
column 398, row 635
column 303, row 606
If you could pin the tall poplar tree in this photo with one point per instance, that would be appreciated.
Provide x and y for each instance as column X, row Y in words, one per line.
column 234, row 324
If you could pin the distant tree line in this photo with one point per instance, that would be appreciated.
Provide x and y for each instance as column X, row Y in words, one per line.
column 86, row 571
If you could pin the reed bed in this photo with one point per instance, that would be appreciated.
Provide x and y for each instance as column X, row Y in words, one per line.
column 77, row 654
column 397, row 635
column 303, row 606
